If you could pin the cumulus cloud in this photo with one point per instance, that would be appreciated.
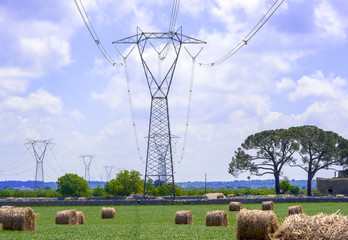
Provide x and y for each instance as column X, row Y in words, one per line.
column 317, row 85
column 40, row 100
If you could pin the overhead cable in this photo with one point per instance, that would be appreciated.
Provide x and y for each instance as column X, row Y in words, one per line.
column 249, row 36
column 93, row 33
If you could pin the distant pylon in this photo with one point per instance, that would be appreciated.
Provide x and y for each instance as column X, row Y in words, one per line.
column 87, row 159
column 108, row 170
column 39, row 148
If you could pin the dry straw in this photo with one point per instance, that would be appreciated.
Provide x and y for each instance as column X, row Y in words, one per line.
column 235, row 206
column 68, row 199
column 9, row 199
column 159, row 198
column 68, row 217
column 19, row 219
column 41, row 199
column 231, row 195
column 130, row 198
column 19, row 199
column 216, row 218
column 295, row 210
column 80, row 217
column 82, row 199
column 3, row 210
column 317, row 227
column 268, row 205
column 108, row 212
column 183, row 217
column 256, row 224
column 211, row 196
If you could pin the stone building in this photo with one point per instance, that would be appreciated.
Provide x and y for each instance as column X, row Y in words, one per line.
column 333, row 186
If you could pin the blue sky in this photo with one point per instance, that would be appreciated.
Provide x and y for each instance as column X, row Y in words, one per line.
column 54, row 82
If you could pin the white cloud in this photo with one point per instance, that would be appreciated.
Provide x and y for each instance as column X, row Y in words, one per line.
column 41, row 100
column 327, row 19
column 285, row 84
column 316, row 85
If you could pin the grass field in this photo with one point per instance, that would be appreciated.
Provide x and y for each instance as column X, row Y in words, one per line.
column 150, row 222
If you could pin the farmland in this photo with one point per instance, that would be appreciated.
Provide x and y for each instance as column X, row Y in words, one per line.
column 150, row 222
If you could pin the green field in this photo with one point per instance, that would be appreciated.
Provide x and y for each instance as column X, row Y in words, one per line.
column 150, row 222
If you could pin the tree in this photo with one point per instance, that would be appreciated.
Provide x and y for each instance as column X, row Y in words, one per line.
column 126, row 183
column 319, row 150
column 72, row 185
column 274, row 149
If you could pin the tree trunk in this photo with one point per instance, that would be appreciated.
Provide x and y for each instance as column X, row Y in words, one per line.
column 277, row 184
column 309, row 184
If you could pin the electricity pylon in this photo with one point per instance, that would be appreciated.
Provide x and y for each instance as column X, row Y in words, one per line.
column 108, row 170
column 39, row 148
column 159, row 159
column 87, row 159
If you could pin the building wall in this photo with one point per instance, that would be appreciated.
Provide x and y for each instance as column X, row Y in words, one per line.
column 332, row 186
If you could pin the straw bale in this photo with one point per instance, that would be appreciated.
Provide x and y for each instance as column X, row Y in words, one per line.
column 41, row 199
column 19, row 199
column 214, row 196
column 68, row 217
column 295, row 210
column 256, row 224
column 3, row 210
column 339, row 195
column 82, row 199
column 317, row 227
column 80, row 217
column 130, row 198
column 271, row 196
column 268, row 205
column 9, row 199
column 19, row 219
column 232, row 195
column 68, row 199
column 108, row 212
column 183, row 217
column 235, row 206
column 216, row 218
column 159, row 198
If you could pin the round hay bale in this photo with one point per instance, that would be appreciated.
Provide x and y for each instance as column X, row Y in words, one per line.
column 80, row 218
column 108, row 212
column 271, row 196
column 82, row 199
column 159, row 198
column 3, row 210
column 183, row 217
column 268, row 205
column 211, row 196
column 19, row 219
column 68, row 217
column 130, row 198
column 339, row 195
column 295, row 210
column 232, row 195
column 317, row 227
column 9, row 199
column 235, row 206
column 256, row 224
column 41, row 199
column 216, row 218
column 68, row 199
column 19, row 199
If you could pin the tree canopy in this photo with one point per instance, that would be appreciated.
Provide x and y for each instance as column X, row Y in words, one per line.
column 272, row 149
column 126, row 183
column 319, row 150
column 72, row 185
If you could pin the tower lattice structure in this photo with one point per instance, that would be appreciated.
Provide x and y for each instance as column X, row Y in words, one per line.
column 87, row 160
column 39, row 147
column 159, row 170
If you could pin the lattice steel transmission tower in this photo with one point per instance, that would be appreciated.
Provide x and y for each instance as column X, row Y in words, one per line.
column 159, row 160
column 39, row 147
column 87, row 160
column 108, row 170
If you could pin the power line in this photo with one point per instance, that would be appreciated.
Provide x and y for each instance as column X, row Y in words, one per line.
column 93, row 33
column 249, row 36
